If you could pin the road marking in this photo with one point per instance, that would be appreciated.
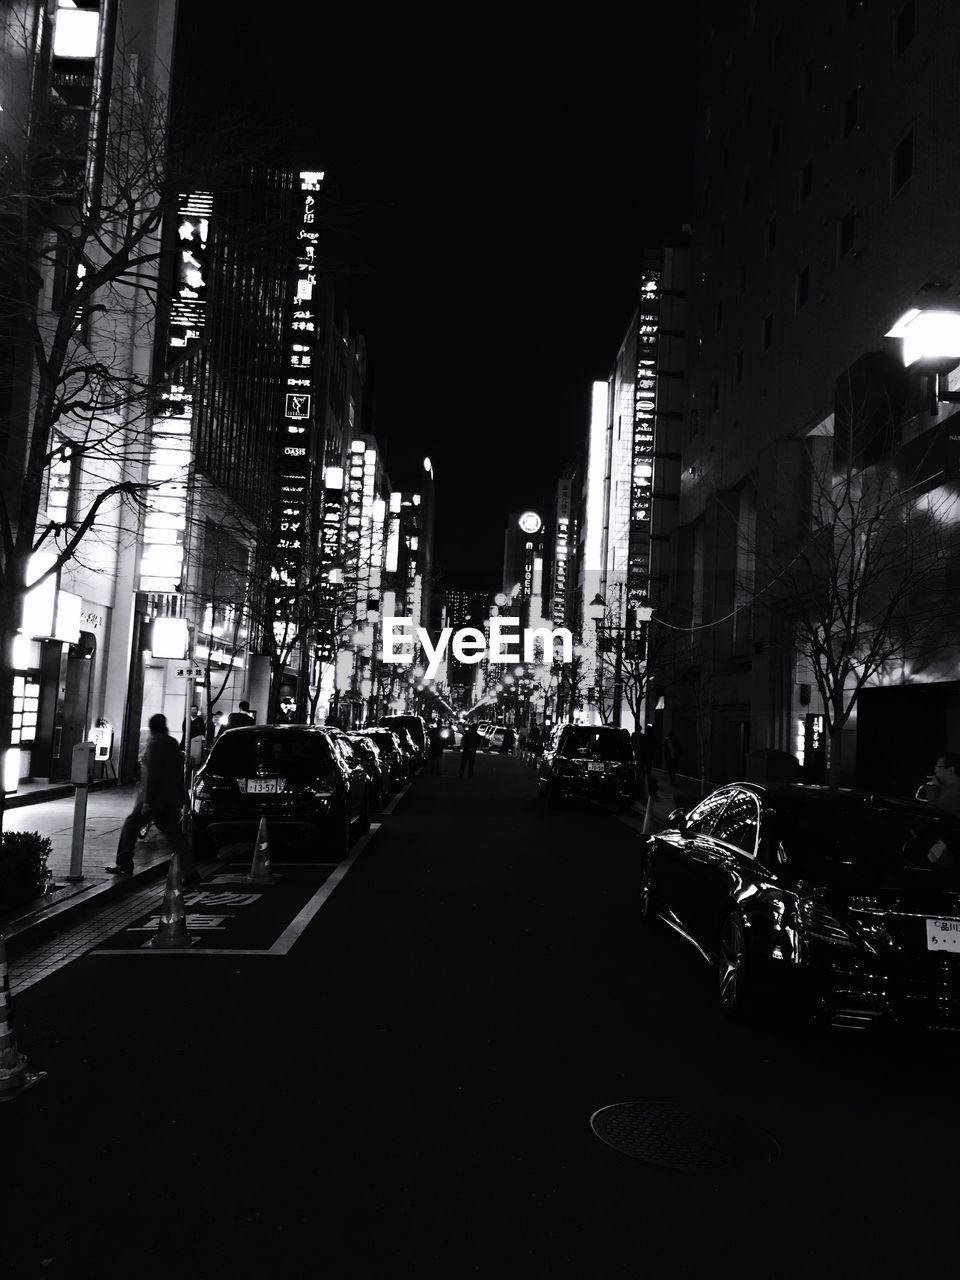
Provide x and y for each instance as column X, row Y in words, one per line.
column 290, row 935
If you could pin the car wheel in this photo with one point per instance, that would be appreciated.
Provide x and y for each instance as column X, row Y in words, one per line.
column 740, row 997
column 647, row 904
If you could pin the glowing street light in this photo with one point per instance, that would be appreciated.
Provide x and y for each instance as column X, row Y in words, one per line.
column 930, row 340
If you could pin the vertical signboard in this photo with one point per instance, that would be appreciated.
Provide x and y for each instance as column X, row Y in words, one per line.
column 644, row 420
column 295, row 433
column 168, row 462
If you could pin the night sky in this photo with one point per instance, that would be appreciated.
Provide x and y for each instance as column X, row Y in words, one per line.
column 498, row 180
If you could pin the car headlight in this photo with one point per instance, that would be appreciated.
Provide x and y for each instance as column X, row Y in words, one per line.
column 822, row 925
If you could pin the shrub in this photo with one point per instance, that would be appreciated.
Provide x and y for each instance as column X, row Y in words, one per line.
column 24, row 873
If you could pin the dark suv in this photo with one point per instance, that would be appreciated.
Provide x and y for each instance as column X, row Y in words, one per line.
column 416, row 726
column 295, row 776
column 593, row 762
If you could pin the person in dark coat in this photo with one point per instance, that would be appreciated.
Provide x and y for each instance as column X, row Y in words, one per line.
column 468, row 751
column 240, row 718
column 436, row 748
column 506, row 746
column 160, row 800
column 198, row 726
column 672, row 752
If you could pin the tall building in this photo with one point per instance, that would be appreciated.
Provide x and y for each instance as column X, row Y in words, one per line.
column 79, row 83
column 827, row 168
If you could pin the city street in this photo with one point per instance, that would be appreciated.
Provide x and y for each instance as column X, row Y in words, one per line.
column 392, row 1066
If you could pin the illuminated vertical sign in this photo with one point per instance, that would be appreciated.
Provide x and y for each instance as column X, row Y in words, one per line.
column 294, row 435
column 170, row 450
column 644, row 422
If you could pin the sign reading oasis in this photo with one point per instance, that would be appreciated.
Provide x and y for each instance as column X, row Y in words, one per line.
column 471, row 645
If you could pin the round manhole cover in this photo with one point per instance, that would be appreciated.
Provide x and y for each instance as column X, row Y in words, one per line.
column 679, row 1137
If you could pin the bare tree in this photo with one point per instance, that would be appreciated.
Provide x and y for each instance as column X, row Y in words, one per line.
column 79, row 247
column 860, row 582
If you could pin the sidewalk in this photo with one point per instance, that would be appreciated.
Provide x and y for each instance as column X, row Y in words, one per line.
column 106, row 810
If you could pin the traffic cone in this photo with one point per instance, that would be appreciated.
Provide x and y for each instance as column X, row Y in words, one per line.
column 260, row 868
column 172, row 929
column 14, row 1076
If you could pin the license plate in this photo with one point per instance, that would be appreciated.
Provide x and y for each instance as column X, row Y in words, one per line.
column 595, row 766
column 943, row 935
column 262, row 786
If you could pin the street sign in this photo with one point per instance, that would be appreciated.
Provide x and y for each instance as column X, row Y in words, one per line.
column 190, row 673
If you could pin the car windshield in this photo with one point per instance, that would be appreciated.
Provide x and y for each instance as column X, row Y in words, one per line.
column 863, row 833
column 582, row 743
column 288, row 754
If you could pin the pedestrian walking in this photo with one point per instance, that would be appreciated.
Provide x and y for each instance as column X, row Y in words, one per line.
column 160, row 800
column 506, row 746
column 242, row 717
column 943, row 791
column 468, row 751
column 672, row 751
column 217, row 718
column 198, row 727
column 436, row 748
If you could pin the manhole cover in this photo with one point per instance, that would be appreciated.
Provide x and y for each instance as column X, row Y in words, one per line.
column 678, row 1137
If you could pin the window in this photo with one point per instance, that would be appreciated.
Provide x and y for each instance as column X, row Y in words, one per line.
column 742, row 282
column 766, row 332
column 846, row 233
column 738, row 367
column 852, row 111
column 801, row 288
column 701, row 820
column 805, row 185
column 904, row 28
column 739, row 823
column 771, row 235
column 901, row 163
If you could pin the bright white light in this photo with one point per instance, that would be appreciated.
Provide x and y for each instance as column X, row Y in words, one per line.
column 596, row 470
column 530, row 522
column 169, row 637
column 357, row 446
column 40, row 602
column 427, row 465
column 929, row 338
column 76, row 33
column 11, row 769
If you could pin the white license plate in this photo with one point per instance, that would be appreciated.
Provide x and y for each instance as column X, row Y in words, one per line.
column 262, row 786
column 943, row 935
column 595, row 766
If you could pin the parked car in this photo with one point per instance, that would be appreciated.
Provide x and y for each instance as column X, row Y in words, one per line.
column 368, row 753
column 588, row 762
column 299, row 778
column 815, row 903
column 500, row 738
column 416, row 726
column 393, row 755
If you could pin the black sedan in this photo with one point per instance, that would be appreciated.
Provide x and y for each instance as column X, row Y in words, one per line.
column 815, row 903
column 588, row 762
column 307, row 786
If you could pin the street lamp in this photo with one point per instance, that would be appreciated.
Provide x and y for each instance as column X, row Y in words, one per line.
column 930, row 344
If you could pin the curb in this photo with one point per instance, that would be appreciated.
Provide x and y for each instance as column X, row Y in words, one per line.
column 33, row 923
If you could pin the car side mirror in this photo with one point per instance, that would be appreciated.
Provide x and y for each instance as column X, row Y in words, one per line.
column 677, row 818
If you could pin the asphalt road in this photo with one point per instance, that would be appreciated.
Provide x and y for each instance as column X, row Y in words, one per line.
column 408, row 1091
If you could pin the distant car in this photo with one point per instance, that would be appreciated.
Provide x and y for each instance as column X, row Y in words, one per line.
column 392, row 754
column 377, row 773
column 312, row 793
column 500, row 738
column 815, row 903
column 416, row 726
column 588, row 762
